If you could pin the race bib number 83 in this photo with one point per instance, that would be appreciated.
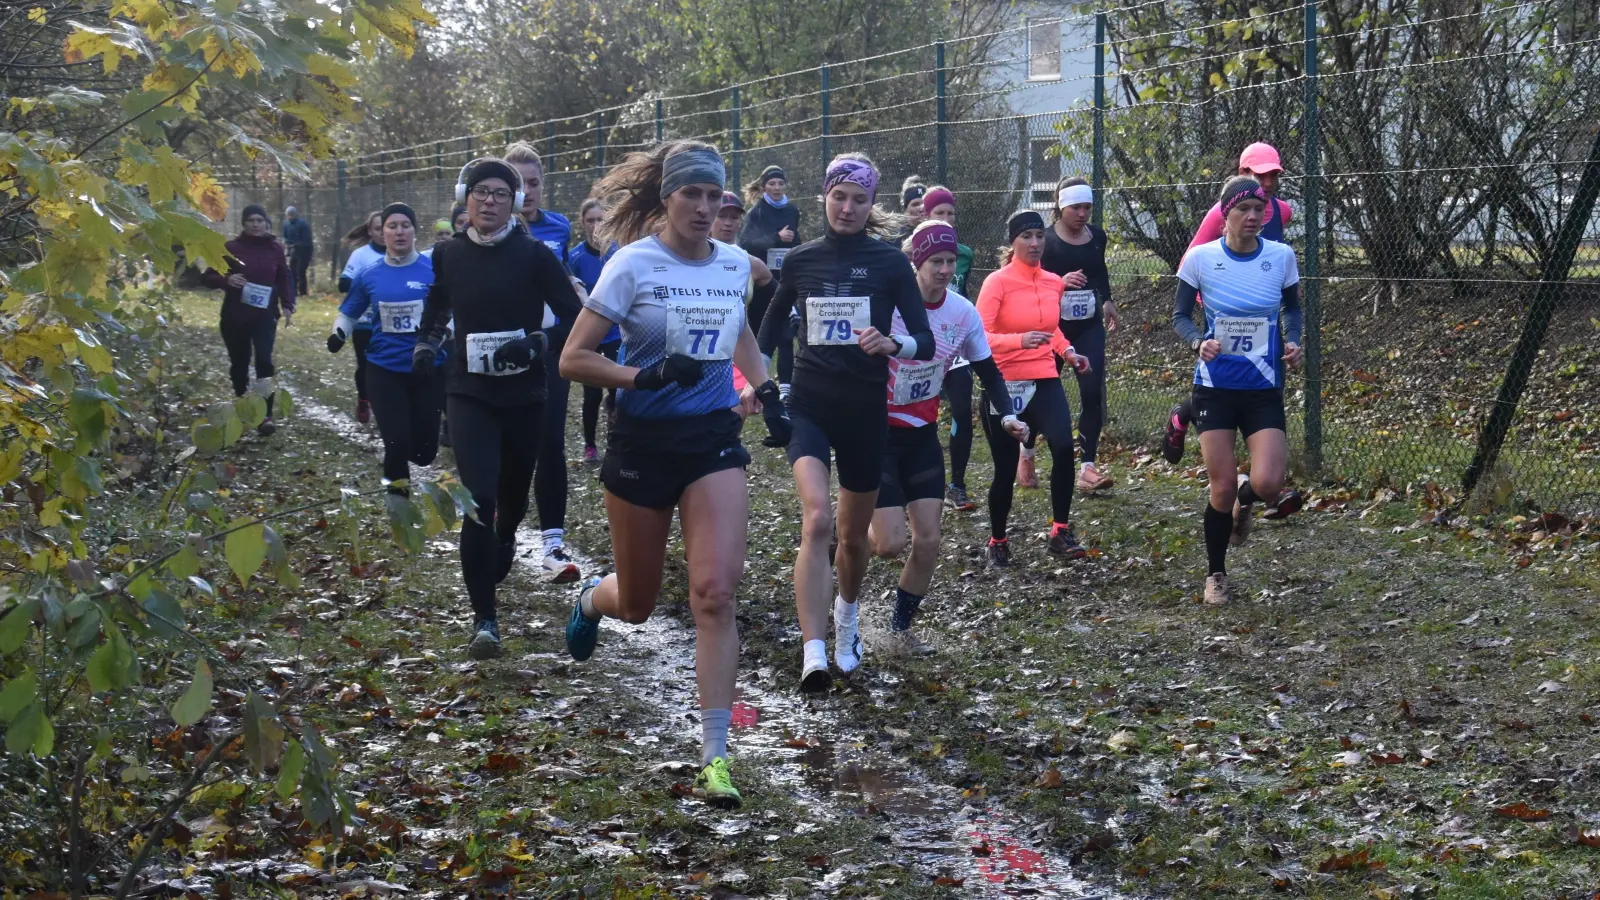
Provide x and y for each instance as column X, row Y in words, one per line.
column 401, row 318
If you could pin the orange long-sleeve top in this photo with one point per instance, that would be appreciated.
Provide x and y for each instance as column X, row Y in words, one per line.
column 1014, row 300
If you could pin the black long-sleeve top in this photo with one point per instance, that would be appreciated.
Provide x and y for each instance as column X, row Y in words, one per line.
column 849, row 265
column 762, row 224
column 497, row 288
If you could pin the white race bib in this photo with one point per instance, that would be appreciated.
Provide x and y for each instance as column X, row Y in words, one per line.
column 256, row 295
column 775, row 258
column 401, row 318
column 1077, row 306
column 1243, row 335
column 1020, row 393
column 916, row 382
column 480, row 352
column 834, row 321
column 704, row 329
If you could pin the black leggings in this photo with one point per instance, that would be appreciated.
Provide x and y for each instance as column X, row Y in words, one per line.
column 407, row 407
column 496, row 448
column 550, row 484
column 1049, row 415
column 591, row 398
column 1090, row 343
column 359, row 340
column 243, row 337
column 958, row 392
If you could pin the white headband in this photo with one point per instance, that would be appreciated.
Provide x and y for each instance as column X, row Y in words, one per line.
column 1075, row 194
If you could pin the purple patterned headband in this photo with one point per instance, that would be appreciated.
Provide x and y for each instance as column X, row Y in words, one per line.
column 854, row 171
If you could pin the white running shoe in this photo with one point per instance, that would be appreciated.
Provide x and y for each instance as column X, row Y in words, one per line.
column 559, row 567
column 847, row 649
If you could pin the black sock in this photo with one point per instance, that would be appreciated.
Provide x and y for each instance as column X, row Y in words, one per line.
column 1247, row 494
column 1218, row 527
column 905, row 607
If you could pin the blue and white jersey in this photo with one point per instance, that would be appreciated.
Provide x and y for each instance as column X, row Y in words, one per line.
column 586, row 267
column 394, row 296
column 670, row 305
column 1244, row 298
column 361, row 259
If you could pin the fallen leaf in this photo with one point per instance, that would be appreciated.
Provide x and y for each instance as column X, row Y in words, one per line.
column 1051, row 778
column 1123, row 741
column 947, row 881
column 1346, row 759
column 1551, row 687
column 1389, row 758
column 1521, row 812
column 1348, row 861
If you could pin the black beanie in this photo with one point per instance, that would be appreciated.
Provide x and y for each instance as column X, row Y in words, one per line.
column 914, row 192
column 400, row 208
column 255, row 209
column 771, row 172
column 492, row 167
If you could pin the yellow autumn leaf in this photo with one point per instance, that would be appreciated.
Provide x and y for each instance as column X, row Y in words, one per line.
column 169, row 79
column 152, row 15
column 330, row 68
column 208, row 196
column 36, row 14
column 84, row 44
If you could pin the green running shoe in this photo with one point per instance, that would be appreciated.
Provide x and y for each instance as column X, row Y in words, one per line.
column 717, row 785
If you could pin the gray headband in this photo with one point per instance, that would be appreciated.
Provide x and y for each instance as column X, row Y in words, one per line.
column 692, row 167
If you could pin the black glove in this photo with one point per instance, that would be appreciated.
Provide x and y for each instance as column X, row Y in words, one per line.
column 422, row 357
column 685, row 371
column 335, row 342
column 773, row 412
column 520, row 353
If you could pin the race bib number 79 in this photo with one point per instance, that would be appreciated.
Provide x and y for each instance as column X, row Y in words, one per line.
column 835, row 321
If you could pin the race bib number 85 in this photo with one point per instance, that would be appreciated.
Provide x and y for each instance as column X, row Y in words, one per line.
column 834, row 321
column 1077, row 306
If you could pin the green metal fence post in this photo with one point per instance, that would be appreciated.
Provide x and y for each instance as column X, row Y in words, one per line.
column 826, row 127
column 658, row 120
column 1098, row 172
column 600, row 142
column 738, row 140
column 279, row 167
column 1546, row 300
column 506, row 133
column 338, row 228
column 438, row 161
column 941, row 159
column 1311, row 292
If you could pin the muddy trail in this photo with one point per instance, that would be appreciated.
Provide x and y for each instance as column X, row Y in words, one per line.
column 1369, row 720
column 804, row 749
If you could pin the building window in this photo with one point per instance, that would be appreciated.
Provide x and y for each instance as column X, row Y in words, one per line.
column 1043, row 50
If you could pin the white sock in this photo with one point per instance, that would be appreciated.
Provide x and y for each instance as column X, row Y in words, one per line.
column 552, row 539
column 783, row 391
column 1086, row 467
column 1029, row 452
column 816, row 654
column 844, row 612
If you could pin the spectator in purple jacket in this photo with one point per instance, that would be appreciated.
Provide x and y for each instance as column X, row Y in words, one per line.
column 258, row 289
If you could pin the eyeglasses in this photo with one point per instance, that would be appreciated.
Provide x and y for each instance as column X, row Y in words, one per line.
column 500, row 195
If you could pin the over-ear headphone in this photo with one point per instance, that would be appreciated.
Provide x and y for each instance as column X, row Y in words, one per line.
column 461, row 182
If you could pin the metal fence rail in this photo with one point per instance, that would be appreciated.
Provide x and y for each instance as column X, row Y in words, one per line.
column 1434, row 201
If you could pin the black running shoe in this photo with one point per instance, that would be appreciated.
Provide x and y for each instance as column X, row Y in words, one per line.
column 1177, row 432
column 1065, row 544
column 999, row 552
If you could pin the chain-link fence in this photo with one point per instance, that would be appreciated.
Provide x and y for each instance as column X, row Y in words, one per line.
column 1440, row 170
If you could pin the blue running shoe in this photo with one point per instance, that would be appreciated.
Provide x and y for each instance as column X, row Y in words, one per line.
column 582, row 633
column 485, row 640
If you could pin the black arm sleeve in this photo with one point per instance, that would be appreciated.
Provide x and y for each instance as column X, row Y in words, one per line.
column 436, row 309
column 776, row 321
column 908, row 300
column 760, row 299
column 552, row 282
column 344, row 284
column 1294, row 318
column 1183, row 312
column 994, row 384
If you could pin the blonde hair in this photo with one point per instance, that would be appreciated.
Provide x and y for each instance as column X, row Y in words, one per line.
column 631, row 192
column 522, row 152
